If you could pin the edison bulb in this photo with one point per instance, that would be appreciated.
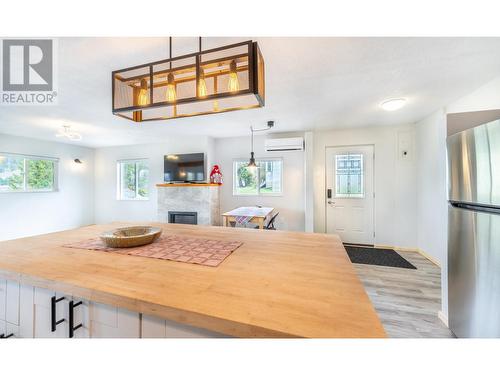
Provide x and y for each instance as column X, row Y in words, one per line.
column 202, row 85
column 234, row 84
column 171, row 93
column 143, row 97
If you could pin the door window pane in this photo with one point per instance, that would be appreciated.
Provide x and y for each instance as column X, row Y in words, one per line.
column 349, row 176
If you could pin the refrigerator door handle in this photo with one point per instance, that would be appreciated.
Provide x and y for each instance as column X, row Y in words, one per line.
column 476, row 207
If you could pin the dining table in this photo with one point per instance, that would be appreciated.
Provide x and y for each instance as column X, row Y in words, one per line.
column 243, row 215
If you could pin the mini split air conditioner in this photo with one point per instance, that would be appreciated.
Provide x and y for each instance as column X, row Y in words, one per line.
column 284, row 144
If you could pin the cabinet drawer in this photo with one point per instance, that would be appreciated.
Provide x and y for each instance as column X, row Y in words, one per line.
column 7, row 329
column 153, row 327
column 112, row 322
column 9, row 301
column 104, row 314
column 3, row 298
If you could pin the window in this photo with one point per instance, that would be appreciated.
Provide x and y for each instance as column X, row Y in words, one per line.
column 349, row 176
column 133, row 180
column 266, row 179
column 25, row 173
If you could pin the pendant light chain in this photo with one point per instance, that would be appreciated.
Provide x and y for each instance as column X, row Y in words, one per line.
column 252, row 163
column 170, row 50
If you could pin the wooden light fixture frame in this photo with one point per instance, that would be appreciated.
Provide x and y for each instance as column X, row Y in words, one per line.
column 256, row 82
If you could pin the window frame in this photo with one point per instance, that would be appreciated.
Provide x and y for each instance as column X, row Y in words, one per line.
column 119, row 163
column 258, row 194
column 27, row 157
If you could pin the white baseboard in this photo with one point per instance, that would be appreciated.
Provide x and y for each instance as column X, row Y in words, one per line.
column 443, row 318
column 420, row 251
column 430, row 257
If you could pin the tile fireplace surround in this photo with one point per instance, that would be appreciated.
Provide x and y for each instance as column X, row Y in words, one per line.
column 200, row 198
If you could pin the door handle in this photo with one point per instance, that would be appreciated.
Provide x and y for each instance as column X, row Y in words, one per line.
column 331, row 202
column 72, row 328
column 54, row 322
column 3, row 336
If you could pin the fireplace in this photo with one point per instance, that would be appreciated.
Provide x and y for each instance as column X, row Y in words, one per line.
column 182, row 217
column 198, row 200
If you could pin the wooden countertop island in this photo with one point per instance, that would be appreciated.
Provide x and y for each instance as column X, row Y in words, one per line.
column 277, row 284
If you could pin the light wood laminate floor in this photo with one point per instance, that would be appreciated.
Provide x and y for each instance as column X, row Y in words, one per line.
column 407, row 301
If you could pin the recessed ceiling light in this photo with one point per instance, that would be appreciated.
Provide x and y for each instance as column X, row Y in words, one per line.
column 393, row 104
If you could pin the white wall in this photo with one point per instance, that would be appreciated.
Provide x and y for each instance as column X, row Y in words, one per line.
column 28, row 214
column 395, row 193
column 309, row 181
column 107, row 207
column 432, row 215
column 484, row 98
column 290, row 204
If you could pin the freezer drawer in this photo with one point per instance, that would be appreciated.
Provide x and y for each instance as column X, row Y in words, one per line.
column 473, row 273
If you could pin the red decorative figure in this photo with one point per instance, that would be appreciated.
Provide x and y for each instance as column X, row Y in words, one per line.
column 216, row 175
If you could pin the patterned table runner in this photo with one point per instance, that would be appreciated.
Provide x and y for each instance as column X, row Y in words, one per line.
column 242, row 220
column 180, row 249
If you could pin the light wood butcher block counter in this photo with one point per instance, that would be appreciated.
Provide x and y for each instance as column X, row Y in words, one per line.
column 277, row 284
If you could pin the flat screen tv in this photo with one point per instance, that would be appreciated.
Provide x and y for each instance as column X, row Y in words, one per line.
column 184, row 168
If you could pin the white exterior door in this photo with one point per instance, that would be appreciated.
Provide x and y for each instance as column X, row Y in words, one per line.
column 350, row 194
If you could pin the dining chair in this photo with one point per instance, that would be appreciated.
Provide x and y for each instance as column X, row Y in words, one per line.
column 270, row 225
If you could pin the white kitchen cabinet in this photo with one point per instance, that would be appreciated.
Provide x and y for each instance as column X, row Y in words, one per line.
column 8, row 330
column 16, row 307
column 43, row 319
column 3, row 298
column 26, row 311
column 9, row 301
column 112, row 322
column 42, row 310
column 153, row 327
column 97, row 320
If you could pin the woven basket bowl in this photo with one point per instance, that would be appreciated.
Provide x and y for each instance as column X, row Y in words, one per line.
column 130, row 236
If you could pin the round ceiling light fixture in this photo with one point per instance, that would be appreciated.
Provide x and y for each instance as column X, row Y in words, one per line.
column 393, row 104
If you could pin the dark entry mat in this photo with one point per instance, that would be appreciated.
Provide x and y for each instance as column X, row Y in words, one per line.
column 377, row 257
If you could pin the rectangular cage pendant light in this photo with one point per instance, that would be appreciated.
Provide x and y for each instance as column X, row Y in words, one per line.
column 218, row 80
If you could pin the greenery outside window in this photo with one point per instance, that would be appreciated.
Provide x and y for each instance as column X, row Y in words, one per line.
column 266, row 179
column 26, row 173
column 133, row 180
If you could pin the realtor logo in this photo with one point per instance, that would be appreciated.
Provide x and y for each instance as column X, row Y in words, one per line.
column 28, row 71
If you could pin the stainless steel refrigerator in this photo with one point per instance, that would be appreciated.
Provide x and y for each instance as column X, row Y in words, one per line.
column 474, row 231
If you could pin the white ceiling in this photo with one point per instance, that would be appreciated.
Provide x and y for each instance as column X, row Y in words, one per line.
column 311, row 83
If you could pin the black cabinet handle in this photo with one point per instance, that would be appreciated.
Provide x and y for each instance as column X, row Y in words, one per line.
column 54, row 322
column 2, row 336
column 72, row 328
